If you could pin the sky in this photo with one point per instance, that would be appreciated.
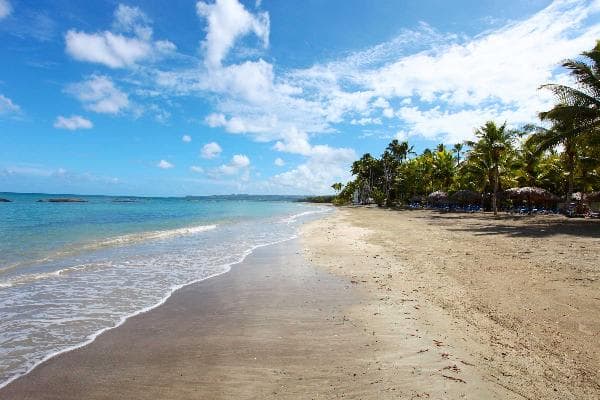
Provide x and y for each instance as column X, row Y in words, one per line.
column 262, row 97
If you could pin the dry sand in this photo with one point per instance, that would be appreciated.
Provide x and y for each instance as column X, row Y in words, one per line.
column 517, row 297
column 392, row 305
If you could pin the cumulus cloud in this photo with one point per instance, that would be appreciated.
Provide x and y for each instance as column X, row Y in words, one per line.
column 5, row 9
column 73, row 123
column 99, row 94
column 112, row 50
column 186, row 138
column 238, row 165
column 453, row 81
column 279, row 162
column 227, row 21
column 115, row 49
column 324, row 166
column 235, row 124
column 164, row 164
column 422, row 83
column 211, row 150
column 7, row 107
column 294, row 141
column 197, row 169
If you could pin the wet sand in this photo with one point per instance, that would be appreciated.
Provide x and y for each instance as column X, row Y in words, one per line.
column 273, row 327
column 367, row 304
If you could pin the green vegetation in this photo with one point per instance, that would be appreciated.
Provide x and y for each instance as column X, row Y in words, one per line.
column 562, row 156
column 318, row 199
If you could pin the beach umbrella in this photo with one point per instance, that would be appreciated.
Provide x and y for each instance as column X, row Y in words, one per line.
column 464, row 197
column 592, row 197
column 531, row 194
column 438, row 197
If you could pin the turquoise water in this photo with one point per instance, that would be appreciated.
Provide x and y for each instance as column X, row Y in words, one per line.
column 71, row 270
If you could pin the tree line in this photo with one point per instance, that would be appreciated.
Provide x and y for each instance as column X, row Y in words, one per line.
column 560, row 154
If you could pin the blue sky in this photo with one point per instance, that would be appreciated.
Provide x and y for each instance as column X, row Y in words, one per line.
column 217, row 97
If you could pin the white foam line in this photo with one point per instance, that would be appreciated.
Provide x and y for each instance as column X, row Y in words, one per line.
column 119, row 240
column 131, row 238
column 293, row 218
column 91, row 338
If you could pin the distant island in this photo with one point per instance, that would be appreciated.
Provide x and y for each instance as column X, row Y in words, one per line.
column 62, row 200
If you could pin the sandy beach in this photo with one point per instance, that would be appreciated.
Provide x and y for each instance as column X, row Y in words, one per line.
column 366, row 304
column 517, row 297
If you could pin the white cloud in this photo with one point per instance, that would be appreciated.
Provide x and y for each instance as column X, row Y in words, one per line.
column 132, row 20
column 211, row 150
column 256, row 125
column 239, row 164
column 197, row 169
column 73, row 123
column 7, row 106
column 294, row 141
column 325, row 166
column 423, row 82
column 366, row 121
column 495, row 75
column 112, row 50
column 227, row 21
column 115, row 50
column 279, row 162
column 388, row 112
column 99, row 94
column 186, row 138
column 240, row 161
column 5, row 9
column 251, row 81
column 164, row 164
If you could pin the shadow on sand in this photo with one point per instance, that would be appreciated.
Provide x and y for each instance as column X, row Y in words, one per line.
column 534, row 226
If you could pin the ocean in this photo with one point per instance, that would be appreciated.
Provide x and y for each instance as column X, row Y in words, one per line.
column 69, row 271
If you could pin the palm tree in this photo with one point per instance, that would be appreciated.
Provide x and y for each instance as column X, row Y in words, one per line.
column 392, row 159
column 492, row 146
column 559, row 134
column 400, row 150
column 443, row 168
column 528, row 160
column 389, row 165
column 580, row 105
column 456, row 149
column 337, row 187
column 367, row 170
column 577, row 114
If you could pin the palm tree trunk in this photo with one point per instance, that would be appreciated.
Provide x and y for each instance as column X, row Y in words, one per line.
column 571, row 168
column 495, row 195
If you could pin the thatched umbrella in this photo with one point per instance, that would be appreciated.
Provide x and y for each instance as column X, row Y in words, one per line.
column 438, row 197
column 534, row 195
column 592, row 197
column 464, row 197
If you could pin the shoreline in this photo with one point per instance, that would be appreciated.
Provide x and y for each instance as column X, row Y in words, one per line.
column 92, row 337
column 363, row 303
column 141, row 347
